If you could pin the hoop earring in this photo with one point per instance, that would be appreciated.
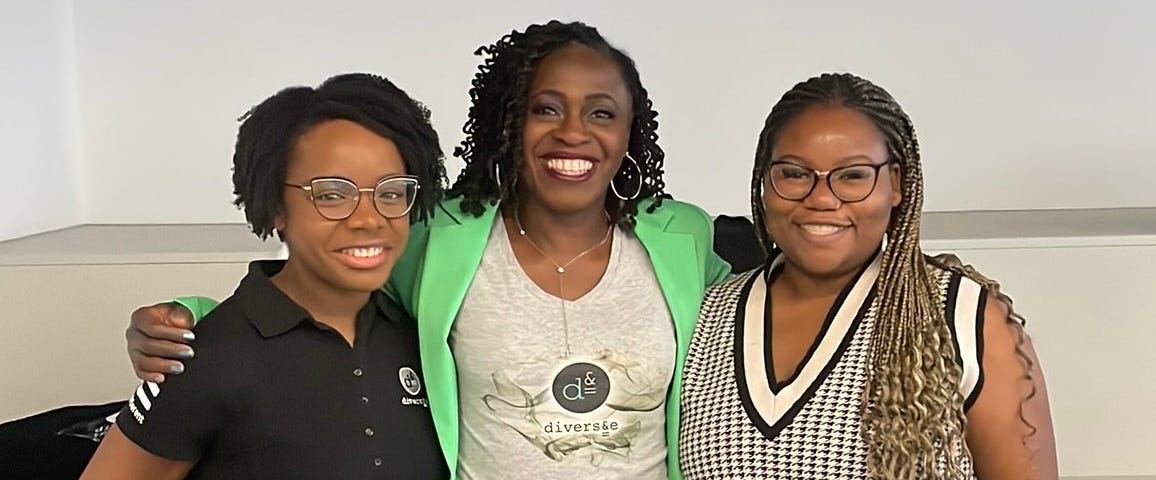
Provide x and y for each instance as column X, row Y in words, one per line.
column 498, row 178
column 638, row 190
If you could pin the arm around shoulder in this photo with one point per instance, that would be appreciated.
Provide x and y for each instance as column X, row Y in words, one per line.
column 1009, row 428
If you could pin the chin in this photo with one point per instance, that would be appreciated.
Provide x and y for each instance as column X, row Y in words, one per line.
column 572, row 203
column 363, row 282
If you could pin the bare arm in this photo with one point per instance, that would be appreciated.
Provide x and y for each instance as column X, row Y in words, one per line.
column 118, row 458
column 1001, row 444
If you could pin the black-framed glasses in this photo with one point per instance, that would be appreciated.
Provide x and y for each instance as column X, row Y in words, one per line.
column 851, row 183
column 337, row 198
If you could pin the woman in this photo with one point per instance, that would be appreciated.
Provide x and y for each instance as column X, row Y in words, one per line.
column 872, row 360
column 335, row 172
column 556, row 289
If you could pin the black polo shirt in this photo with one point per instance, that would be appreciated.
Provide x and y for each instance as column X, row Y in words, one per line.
column 272, row 393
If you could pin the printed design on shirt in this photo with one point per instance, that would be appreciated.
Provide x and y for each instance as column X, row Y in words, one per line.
column 587, row 408
column 411, row 383
column 142, row 400
column 581, row 387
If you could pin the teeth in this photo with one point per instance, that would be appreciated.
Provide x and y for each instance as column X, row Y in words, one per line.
column 570, row 166
column 816, row 229
column 363, row 252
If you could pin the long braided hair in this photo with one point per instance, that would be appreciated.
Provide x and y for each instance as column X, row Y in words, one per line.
column 913, row 416
column 492, row 149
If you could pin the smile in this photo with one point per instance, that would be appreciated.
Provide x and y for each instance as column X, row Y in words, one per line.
column 574, row 168
column 363, row 258
column 822, row 230
column 363, row 252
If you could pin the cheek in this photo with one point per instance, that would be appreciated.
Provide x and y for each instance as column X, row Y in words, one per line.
column 400, row 228
column 775, row 213
column 617, row 141
column 874, row 217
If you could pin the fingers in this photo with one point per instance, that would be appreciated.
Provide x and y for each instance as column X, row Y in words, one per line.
column 153, row 369
column 157, row 339
column 180, row 317
column 164, row 321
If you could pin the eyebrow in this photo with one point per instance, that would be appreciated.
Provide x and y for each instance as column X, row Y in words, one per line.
column 592, row 96
column 851, row 160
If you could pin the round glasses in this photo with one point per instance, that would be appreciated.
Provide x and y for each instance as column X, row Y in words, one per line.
column 852, row 183
column 338, row 198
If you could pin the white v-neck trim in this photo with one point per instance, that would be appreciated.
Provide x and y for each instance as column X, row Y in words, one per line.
column 768, row 404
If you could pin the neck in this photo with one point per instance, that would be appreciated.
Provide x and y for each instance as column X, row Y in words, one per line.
column 803, row 285
column 562, row 233
column 326, row 303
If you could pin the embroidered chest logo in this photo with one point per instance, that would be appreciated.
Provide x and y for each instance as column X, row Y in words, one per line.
column 409, row 380
column 581, row 387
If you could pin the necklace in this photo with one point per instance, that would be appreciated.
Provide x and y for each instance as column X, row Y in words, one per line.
column 561, row 269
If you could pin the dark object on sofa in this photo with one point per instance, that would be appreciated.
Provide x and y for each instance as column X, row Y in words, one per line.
column 735, row 242
column 53, row 445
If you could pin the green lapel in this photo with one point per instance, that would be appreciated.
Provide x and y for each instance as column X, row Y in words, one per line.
column 452, row 257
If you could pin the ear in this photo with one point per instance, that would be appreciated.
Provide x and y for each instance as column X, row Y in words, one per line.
column 896, row 184
column 279, row 222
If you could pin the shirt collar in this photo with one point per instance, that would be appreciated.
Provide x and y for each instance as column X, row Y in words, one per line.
column 273, row 313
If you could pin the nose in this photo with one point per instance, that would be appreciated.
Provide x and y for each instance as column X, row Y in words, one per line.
column 365, row 216
column 572, row 130
column 821, row 197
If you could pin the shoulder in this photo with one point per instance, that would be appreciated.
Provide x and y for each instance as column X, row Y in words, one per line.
column 733, row 286
column 683, row 217
column 224, row 336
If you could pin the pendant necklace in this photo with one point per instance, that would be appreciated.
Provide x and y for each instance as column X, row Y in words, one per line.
column 561, row 269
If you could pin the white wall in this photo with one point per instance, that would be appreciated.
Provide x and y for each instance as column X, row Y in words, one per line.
column 1019, row 105
column 38, row 118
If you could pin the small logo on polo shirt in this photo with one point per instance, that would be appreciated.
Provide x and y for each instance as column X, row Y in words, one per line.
column 409, row 380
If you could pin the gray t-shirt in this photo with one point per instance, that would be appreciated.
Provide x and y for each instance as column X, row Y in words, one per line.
column 527, row 411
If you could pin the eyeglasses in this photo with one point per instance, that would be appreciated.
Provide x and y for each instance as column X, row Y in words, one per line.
column 338, row 198
column 852, row 183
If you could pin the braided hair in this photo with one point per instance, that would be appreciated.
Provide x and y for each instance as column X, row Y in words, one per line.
column 913, row 416
column 270, row 130
column 492, row 150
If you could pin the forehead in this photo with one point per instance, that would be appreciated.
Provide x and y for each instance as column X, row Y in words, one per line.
column 826, row 135
column 346, row 149
column 578, row 69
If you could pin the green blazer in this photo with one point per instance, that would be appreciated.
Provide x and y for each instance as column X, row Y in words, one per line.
column 439, row 263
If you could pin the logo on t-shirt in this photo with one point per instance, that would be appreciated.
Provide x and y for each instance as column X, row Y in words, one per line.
column 581, row 387
column 409, row 380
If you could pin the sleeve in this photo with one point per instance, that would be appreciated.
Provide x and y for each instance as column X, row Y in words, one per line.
column 179, row 418
column 200, row 306
column 715, row 269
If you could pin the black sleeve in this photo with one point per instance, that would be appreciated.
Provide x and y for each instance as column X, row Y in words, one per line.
column 177, row 419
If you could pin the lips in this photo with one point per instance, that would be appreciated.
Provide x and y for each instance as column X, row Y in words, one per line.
column 363, row 257
column 569, row 166
column 822, row 229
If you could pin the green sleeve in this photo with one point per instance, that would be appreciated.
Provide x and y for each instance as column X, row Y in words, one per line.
column 200, row 306
column 716, row 268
